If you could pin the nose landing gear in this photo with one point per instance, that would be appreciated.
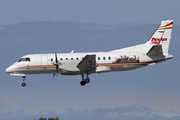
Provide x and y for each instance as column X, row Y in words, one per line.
column 84, row 81
column 23, row 79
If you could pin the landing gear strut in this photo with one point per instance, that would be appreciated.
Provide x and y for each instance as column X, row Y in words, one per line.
column 23, row 79
column 84, row 81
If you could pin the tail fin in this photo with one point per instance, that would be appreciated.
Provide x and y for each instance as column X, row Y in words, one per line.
column 160, row 40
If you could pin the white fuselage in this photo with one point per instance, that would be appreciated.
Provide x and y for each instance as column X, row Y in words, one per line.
column 106, row 62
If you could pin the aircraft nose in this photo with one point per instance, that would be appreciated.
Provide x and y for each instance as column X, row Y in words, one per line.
column 8, row 70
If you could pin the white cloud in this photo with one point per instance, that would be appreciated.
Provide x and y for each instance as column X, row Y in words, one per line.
column 117, row 113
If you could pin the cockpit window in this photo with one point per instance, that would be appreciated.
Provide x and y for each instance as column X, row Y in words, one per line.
column 24, row 59
column 27, row 59
column 20, row 60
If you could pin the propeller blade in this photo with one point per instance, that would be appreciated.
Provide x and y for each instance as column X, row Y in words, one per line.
column 57, row 66
column 56, row 57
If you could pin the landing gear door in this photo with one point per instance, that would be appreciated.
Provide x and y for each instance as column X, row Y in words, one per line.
column 44, row 62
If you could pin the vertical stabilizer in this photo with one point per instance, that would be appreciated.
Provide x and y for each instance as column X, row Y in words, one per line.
column 161, row 36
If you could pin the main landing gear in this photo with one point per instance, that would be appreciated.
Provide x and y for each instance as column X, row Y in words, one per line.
column 84, row 81
column 23, row 79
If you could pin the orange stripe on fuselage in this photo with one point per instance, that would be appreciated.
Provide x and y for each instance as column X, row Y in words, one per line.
column 36, row 67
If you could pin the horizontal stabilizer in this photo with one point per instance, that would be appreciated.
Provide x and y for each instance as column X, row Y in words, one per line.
column 156, row 50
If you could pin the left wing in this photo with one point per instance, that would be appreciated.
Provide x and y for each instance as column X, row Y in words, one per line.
column 88, row 62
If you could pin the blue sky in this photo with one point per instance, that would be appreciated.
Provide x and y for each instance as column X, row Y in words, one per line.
column 94, row 11
column 47, row 26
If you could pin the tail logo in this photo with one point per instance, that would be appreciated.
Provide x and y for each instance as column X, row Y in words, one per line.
column 157, row 40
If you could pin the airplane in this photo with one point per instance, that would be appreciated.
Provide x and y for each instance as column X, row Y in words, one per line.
column 155, row 50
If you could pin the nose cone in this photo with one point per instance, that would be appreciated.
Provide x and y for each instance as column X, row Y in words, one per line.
column 9, row 70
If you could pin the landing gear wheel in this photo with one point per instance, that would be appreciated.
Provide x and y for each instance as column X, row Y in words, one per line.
column 23, row 84
column 82, row 83
column 23, row 79
column 87, row 80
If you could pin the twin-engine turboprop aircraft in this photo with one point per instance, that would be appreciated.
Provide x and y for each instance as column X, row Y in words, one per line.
column 153, row 51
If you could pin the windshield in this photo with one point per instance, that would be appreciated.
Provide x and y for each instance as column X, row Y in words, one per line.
column 27, row 59
column 20, row 60
column 24, row 59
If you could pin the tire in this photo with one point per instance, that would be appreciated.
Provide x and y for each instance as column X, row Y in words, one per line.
column 82, row 83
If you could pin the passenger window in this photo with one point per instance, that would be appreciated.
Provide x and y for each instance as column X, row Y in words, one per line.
column 104, row 58
column 61, row 58
column 98, row 58
column 66, row 58
column 77, row 58
column 51, row 59
column 71, row 58
column 109, row 58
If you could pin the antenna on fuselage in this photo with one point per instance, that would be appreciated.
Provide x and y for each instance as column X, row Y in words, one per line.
column 72, row 51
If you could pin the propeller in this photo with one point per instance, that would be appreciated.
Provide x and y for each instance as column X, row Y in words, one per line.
column 56, row 63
